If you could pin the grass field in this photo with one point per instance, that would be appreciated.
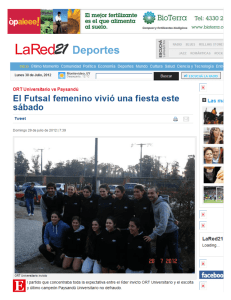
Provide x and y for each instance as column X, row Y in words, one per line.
column 213, row 201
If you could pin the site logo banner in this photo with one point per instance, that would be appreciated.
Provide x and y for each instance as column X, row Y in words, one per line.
column 23, row 21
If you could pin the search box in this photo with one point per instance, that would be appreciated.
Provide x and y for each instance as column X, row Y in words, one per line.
column 124, row 76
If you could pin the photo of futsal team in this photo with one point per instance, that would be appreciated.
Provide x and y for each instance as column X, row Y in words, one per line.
column 106, row 233
column 114, row 214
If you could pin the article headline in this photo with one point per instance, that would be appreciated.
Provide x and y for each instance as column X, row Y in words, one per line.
column 80, row 98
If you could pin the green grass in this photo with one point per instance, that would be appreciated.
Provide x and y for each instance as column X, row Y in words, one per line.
column 212, row 201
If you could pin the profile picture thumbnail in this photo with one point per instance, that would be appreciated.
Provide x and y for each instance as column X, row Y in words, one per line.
column 213, row 155
column 213, row 135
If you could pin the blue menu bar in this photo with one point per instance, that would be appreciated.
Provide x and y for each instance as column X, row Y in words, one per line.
column 118, row 66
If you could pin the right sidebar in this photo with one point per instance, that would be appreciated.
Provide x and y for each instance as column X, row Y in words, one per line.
column 211, row 207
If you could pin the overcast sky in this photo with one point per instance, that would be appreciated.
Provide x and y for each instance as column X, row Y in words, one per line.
column 117, row 151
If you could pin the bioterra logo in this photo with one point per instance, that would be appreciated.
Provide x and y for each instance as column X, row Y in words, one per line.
column 149, row 17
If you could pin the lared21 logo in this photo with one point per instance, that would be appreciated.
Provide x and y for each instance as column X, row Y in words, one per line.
column 42, row 50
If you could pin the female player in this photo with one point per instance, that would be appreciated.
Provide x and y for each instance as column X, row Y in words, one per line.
column 73, row 245
column 105, row 204
column 143, row 209
column 89, row 261
column 89, row 207
column 123, row 211
column 111, row 252
column 137, row 252
column 53, row 237
column 72, row 205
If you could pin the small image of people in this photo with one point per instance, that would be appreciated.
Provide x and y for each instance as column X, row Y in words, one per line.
column 58, row 21
column 213, row 175
column 213, row 155
column 214, row 115
column 216, row 136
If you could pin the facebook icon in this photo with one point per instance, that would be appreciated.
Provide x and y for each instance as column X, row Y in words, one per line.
column 211, row 274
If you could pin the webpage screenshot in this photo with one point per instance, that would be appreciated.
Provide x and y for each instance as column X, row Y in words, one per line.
column 118, row 150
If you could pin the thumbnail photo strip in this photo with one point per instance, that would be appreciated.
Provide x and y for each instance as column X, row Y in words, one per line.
column 213, row 154
column 60, row 21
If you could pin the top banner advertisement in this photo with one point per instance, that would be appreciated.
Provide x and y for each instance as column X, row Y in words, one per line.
column 74, row 21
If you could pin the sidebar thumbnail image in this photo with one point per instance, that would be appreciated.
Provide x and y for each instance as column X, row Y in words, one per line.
column 214, row 194
column 213, row 135
column 213, row 115
column 213, row 155
column 213, row 175
column 46, row 21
